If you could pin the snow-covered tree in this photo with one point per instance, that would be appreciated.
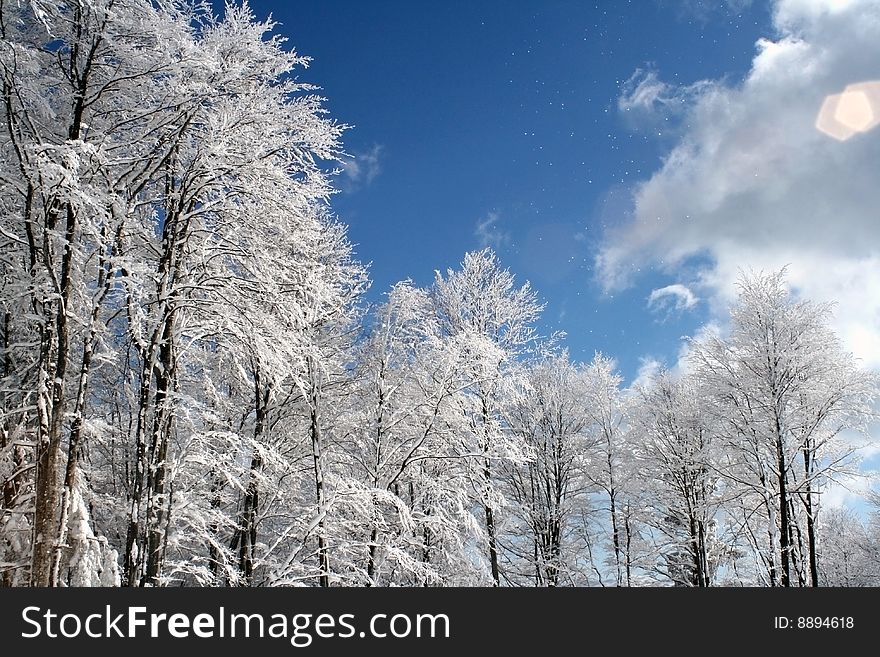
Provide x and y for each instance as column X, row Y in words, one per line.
column 783, row 390
column 167, row 215
column 612, row 469
column 547, row 491
column 397, row 436
column 490, row 321
column 850, row 549
column 676, row 453
column 193, row 390
column 83, row 110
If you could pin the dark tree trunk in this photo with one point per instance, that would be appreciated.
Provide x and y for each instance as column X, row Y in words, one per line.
column 133, row 545
column 248, row 520
column 371, row 563
column 615, row 533
column 490, row 530
column 159, row 495
column 487, row 505
column 318, row 463
column 811, row 520
column 784, row 523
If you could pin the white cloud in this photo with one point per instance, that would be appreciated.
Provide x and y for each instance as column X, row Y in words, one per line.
column 752, row 183
column 489, row 233
column 847, row 491
column 649, row 367
column 644, row 95
column 677, row 295
column 644, row 90
column 360, row 169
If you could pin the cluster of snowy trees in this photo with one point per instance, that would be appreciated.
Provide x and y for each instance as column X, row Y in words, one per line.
column 193, row 391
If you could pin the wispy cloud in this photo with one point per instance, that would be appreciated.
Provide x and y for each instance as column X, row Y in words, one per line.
column 676, row 296
column 644, row 96
column 489, row 233
column 361, row 168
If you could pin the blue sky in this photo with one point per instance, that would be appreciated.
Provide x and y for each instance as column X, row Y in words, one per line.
column 543, row 129
column 505, row 114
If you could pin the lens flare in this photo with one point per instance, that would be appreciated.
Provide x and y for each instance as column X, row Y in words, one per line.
column 855, row 110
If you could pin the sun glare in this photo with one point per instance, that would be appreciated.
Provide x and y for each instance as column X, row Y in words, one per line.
column 855, row 110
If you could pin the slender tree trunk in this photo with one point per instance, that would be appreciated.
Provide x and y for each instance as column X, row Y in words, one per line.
column 811, row 520
column 797, row 541
column 158, row 484
column 150, row 487
column 772, row 570
column 487, row 505
column 215, row 554
column 704, row 556
column 697, row 577
column 318, row 462
column 377, row 464
column 784, row 529
column 554, row 532
column 49, row 462
column 248, row 520
column 371, row 562
column 615, row 533
column 555, row 551
column 76, row 428
column 72, row 456
column 490, row 528
column 426, row 547
column 150, row 468
column 626, row 522
column 133, row 545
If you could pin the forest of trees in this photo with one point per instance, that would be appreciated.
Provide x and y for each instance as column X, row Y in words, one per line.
column 194, row 391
